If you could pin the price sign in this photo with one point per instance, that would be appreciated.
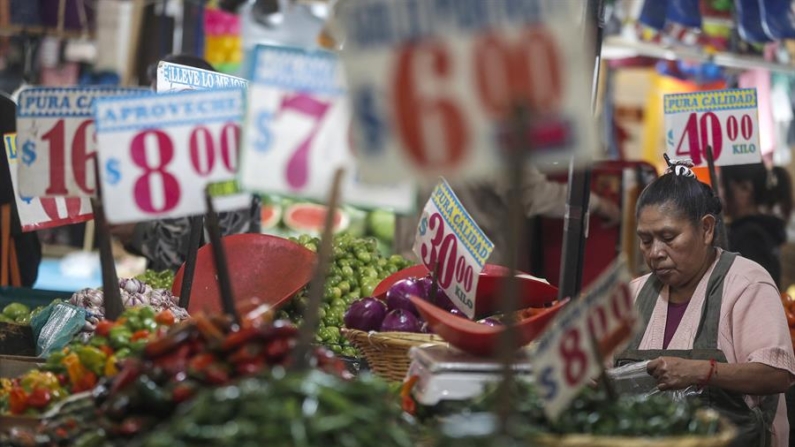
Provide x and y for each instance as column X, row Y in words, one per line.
column 38, row 213
column 432, row 83
column 449, row 240
column 298, row 131
column 175, row 77
column 726, row 120
column 159, row 152
column 565, row 358
column 57, row 143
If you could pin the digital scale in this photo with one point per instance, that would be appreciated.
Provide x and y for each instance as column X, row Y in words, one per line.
column 446, row 374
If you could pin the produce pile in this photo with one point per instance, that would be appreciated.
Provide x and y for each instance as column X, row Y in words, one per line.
column 199, row 354
column 592, row 412
column 397, row 313
column 157, row 280
column 295, row 409
column 79, row 367
column 134, row 293
column 357, row 268
column 18, row 313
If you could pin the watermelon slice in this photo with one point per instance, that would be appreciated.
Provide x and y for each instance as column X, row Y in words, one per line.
column 270, row 216
column 308, row 218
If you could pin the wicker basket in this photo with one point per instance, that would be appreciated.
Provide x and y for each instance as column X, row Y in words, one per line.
column 723, row 438
column 387, row 353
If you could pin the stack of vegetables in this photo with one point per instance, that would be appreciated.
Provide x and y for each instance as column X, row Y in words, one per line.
column 134, row 293
column 202, row 353
column 79, row 367
column 357, row 268
column 18, row 313
column 396, row 313
column 157, row 280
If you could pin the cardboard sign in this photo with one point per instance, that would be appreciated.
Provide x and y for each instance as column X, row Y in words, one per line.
column 158, row 153
column 434, row 83
column 57, row 143
column 726, row 120
column 175, row 77
column 38, row 213
column 565, row 358
column 448, row 235
column 297, row 131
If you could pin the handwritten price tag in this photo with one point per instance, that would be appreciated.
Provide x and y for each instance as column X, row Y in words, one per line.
column 176, row 77
column 447, row 234
column 38, row 213
column 565, row 359
column 159, row 152
column 57, row 143
column 726, row 120
column 433, row 82
column 298, row 121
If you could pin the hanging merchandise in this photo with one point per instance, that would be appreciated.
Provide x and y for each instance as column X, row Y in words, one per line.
column 749, row 21
column 223, row 45
column 683, row 21
column 652, row 18
column 782, row 118
column 717, row 24
column 778, row 18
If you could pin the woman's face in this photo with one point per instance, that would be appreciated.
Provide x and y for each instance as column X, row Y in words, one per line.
column 675, row 249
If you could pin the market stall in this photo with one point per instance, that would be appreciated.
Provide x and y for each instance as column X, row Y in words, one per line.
column 305, row 329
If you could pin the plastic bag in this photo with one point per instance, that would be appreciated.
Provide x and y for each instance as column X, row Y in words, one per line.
column 55, row 326
column 633, row 379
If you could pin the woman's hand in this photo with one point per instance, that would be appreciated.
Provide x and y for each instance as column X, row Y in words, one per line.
column 673, row 373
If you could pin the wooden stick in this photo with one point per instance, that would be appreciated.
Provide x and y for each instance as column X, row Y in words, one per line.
column 219, row 257
column 110, row 281
column 16, row 276
column 5, row 228
column 196, row 228
column 311, row 314
column 88, row 236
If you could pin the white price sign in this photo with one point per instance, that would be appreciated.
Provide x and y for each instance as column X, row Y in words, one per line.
column 450, row 241
column 38, row 213
column 434, row 82
column 158, row 153
column 176, row 77
column 57, row 143
column 565, row 358
column 725, row 120
column 297, row 130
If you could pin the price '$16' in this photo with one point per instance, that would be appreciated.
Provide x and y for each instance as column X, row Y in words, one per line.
column 57, row 140
column 450, row 243
column 589, row 329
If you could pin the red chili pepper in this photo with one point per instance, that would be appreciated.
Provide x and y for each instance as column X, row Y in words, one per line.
column 166, row 318
column 176, row 362
column 200, row 362
column 17, row 400
column 107, row 350
column 278, row 349
column 130, row 371
column 209, row 331
column 247, row 353
column 63, row 379
column 85, row 383
column 216, row 374
column 168, row 343
column 409, row 406
column 240, row 337
column 143, row 334
column 39, row 398
column 250, row 368
column 131, row 426
column 183, row 392
column 103, row 327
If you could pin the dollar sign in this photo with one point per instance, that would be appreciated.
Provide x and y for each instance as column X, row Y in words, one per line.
column 28, row 153
column 27, row 200
column 112, row 171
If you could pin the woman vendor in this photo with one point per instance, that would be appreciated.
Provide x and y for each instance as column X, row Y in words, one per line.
column 713, row 320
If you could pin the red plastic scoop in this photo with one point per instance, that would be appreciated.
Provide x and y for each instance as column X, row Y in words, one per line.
column 480, row 339
column 263, row 268
column 533, row 293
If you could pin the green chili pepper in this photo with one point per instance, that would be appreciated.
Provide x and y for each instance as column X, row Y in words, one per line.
column 92, row 358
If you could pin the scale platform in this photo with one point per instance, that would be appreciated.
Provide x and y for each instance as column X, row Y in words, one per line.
column 447, row 374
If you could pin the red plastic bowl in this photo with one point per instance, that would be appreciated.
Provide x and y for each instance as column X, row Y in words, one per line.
column 480, row 339
column 264, row 269
column 534, row 293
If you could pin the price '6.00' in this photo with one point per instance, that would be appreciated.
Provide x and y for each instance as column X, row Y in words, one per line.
column 157, row 190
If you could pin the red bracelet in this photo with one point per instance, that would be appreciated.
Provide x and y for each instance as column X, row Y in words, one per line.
column 713, row 368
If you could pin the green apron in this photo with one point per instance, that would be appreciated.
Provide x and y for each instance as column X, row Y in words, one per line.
column 754, row 426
